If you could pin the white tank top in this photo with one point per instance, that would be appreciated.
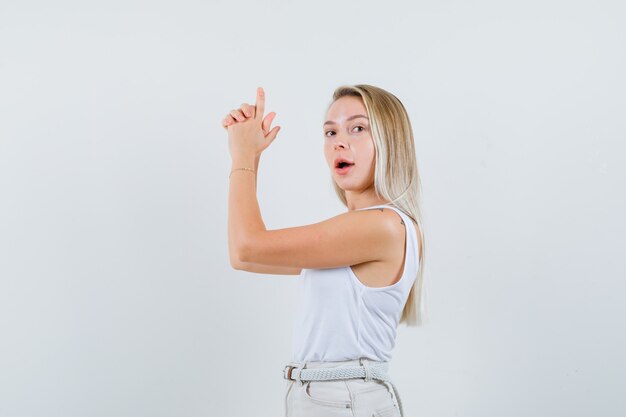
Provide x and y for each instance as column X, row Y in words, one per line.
column 339, row 318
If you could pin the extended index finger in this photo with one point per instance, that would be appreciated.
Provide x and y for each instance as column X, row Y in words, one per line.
column 260, row 103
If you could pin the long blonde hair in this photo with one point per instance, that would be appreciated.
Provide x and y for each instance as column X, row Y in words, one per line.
column 396, row 177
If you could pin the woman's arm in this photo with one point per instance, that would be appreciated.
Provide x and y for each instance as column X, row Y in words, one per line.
column 239, row 197
column 259, row 268
column 267, row 269
column 347, row 239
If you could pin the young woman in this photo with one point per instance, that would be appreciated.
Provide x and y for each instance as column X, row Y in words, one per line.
column 360, row 272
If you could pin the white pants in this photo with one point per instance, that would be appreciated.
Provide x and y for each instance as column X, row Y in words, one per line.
column 339, row 398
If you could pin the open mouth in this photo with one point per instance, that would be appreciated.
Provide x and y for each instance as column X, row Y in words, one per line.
column 343, row 167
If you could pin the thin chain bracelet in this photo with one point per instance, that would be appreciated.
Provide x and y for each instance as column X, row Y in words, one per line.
column 231, row 172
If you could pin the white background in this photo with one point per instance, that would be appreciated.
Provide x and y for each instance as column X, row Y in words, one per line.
column 116, row 293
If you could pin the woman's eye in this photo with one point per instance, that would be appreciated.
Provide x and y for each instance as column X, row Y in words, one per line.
column 330, row 131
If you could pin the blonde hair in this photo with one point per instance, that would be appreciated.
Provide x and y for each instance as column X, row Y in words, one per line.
column 396, row 177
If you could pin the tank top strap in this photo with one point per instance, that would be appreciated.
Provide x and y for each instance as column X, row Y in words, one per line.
column 400, row 212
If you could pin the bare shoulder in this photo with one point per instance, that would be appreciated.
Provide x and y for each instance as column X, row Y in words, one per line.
column 396, row 225
column 392, row 220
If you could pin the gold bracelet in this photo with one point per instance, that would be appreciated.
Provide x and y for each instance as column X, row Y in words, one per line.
column 231, row 172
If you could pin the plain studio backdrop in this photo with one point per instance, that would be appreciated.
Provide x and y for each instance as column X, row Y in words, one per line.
column 116, row 293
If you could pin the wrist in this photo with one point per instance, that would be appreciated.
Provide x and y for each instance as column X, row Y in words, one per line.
column 244, row 161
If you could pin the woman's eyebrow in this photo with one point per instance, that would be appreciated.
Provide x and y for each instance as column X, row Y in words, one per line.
column 330, row 122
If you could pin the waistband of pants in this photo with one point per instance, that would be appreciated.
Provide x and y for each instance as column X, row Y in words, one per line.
column 329, row 364
column 354, row 368
column 332, row 370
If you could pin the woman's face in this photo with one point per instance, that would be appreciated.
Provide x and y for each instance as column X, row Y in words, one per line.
column 347, row 135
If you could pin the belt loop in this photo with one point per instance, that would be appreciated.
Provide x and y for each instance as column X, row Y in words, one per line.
column 292, row 371
column 368, row 373
column 297, row 371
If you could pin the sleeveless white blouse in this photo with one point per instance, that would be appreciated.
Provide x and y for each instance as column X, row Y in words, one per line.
column 339, row 318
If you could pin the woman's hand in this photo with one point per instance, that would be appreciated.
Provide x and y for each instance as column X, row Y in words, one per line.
column 246, row 110
column 248, row 133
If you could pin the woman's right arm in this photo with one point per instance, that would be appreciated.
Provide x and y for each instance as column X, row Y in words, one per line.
column 261, row 268
column 267, row 269
column 251, row 266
